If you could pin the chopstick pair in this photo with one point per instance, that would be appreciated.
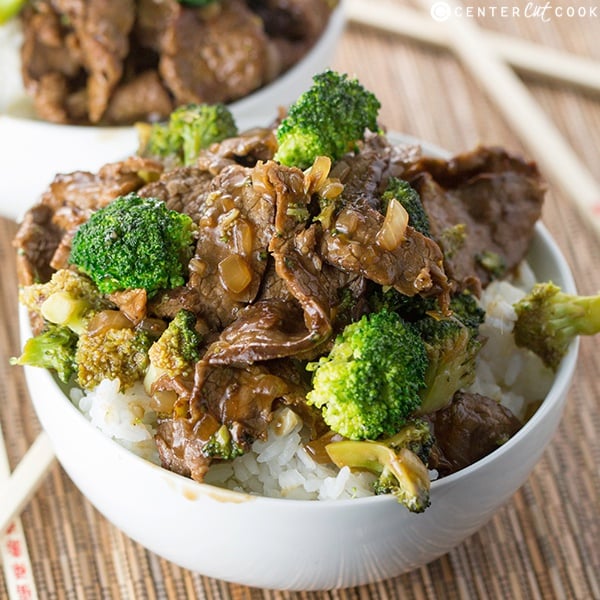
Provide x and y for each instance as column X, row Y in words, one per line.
column 19, row 487
column 524, row 56
column 16, row 491
column 484, row 61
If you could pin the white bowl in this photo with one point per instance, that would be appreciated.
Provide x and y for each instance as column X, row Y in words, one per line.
column 293, row 544
column 36, row 150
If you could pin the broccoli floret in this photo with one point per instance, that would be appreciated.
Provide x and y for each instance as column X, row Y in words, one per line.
column 548, row 320
column 326, row 120
column 112, row 354
column 369, row 383
column 178, row 348
column 466, row 307
column 68, row 298
column 133, row 243
column 190, row 128
column 452, row 349
column 399, row 462
column 411, row 201
column 410, row 308
column 221, row 445
column 52, row 349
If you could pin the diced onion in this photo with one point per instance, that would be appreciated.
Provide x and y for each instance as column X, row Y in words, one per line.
column 108, row 319
column 235, row 273
column 347, row 222
column 242, row 234
column 316, row 175
column 331, row 189
column 393, row 230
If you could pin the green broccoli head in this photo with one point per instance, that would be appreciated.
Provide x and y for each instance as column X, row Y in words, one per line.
column 190, row 128
column 178, row 348
column 452, row 349
column 134, row 243
column 53, row 349
column 468, row 310
column 369, row 383
column 411, row 201
column 399, row 462
column 548, row 320
column 326, row 120
column 410, row 308
column 112, row 354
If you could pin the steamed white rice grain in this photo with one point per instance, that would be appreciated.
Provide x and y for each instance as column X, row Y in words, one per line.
column 280, row 466
column 124, row 416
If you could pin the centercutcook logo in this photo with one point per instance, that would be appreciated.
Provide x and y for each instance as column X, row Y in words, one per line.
column 442, row 11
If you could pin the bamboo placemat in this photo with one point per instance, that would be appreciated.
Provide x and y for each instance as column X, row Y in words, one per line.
column 545, row 542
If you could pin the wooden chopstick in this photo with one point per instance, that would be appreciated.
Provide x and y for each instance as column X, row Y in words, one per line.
column 18, row 574
column 554, row 155
column 524, row 56
column 19, row 487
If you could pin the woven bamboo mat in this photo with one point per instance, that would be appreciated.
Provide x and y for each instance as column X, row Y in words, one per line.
column 545, row 542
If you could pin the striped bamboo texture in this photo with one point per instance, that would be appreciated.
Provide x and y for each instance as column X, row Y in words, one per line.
column 545, row 542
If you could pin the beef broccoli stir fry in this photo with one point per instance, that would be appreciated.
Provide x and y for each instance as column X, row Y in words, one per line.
column 119, row 61
column 232, row 284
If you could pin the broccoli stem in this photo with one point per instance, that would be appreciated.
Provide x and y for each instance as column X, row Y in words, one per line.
column 62, row 308
column 401, row 471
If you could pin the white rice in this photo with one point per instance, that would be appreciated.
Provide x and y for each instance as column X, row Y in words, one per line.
column 123, row 416
column 513, row 376
column 280, row 466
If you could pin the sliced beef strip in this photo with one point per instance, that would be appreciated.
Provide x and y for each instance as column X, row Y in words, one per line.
column 241, row 398
column 314, row 286
column 236, row 225
column 213, row 56
column 498, row 198
column 49, row 61
column 143, row 98
column 36, row 241
column 90, row 191
column 292, row 25
column 166, row 304
column 258, row 144
column 180, row 450
column 295, row 250
column 365, row 175
column 414, row 267
column 102, row 30
column 154, row 17
column 469, row 429
column 265, row 330
column 183, row 189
